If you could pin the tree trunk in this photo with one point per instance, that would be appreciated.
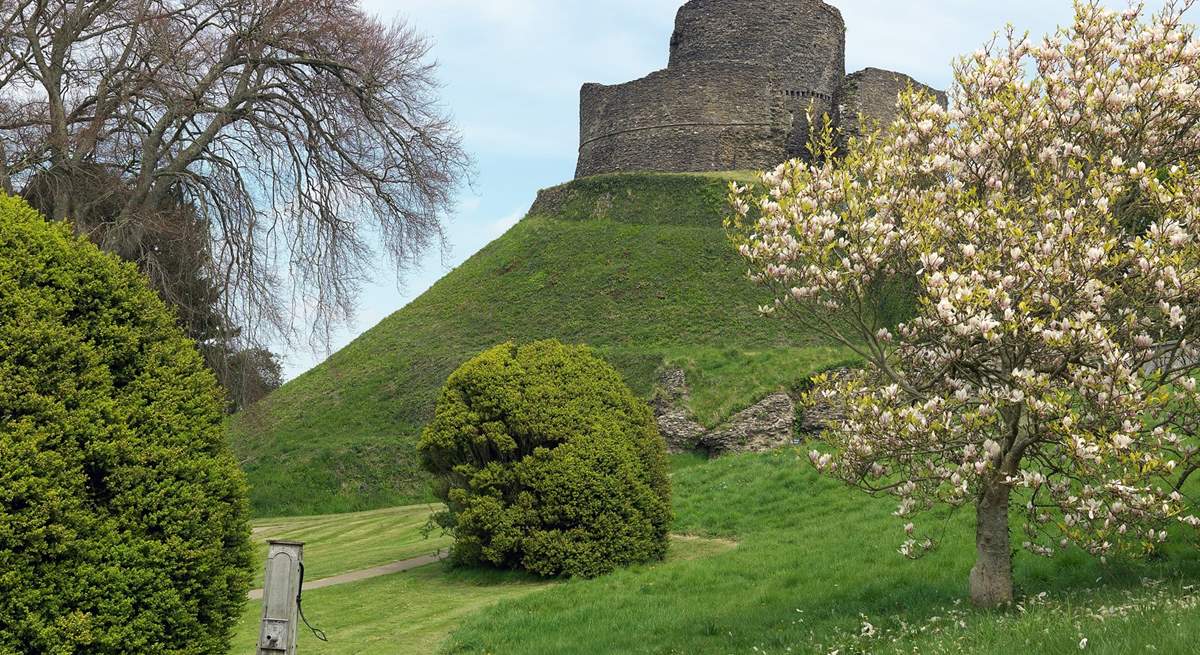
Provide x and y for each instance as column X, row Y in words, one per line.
column 991, row 579
column 61, row 201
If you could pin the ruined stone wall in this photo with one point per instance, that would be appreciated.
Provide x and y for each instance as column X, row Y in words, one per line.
column 702, row 117
column 741, row 76
column 870, row 95
column 802, row 40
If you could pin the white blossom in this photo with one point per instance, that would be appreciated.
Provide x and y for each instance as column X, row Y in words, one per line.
column 1044, row 328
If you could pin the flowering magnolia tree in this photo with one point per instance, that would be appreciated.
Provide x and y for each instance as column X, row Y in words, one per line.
column 1048, row 223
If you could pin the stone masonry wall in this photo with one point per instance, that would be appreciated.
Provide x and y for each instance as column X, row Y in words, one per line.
column 766, row 425
column 771, row 423
column 871, row 94
column 802, row 40
column 701, row 117
column 741, row 76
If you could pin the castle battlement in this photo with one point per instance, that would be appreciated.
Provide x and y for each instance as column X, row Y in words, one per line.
column 741, row 77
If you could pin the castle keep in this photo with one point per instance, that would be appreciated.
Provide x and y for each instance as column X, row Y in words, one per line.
column 734, row 95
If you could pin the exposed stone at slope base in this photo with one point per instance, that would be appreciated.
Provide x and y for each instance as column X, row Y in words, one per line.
column 768, row 424
column 681, row 432
column 765, row 426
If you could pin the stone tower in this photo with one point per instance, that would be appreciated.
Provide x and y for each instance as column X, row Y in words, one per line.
column 741, row 76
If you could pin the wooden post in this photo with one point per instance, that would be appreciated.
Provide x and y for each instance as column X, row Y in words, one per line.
column 281, row 586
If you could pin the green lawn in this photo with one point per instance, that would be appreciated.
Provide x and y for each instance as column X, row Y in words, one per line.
column 410, row 612
column 637, row 266
column 814, row 570
column 348, row 542
column 414, row 611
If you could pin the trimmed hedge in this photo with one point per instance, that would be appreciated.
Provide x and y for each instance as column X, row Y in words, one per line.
column 123, row 515
column 547, row 462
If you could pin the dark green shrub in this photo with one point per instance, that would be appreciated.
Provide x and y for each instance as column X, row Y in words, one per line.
column 547, row 462
column 123, row 519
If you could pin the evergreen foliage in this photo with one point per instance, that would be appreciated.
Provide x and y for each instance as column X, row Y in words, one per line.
column 548, row 462
column 123, row 515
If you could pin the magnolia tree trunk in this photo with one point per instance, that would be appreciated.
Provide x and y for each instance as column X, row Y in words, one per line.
column 991, row 579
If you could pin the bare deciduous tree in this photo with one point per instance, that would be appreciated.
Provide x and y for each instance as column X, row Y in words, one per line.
column 291, row 132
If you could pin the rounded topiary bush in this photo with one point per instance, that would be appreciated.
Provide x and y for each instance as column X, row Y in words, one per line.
column 123, row 519
column 548, row 462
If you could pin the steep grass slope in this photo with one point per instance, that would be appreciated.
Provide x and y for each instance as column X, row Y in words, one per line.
column 637, row 266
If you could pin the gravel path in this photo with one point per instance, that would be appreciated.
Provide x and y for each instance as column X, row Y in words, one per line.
column 365, row 574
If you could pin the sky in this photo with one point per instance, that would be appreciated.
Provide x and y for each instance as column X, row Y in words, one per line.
column 512, row 69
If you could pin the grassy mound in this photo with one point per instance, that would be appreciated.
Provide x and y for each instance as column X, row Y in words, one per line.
column 636, row 266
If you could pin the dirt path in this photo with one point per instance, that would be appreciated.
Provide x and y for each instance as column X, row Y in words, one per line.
column 365, row 574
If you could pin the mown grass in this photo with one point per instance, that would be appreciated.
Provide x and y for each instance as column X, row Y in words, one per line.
column 816, row 571
column 637, row 266
column 410, row 612
column 414, row 611
column 349, row 542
